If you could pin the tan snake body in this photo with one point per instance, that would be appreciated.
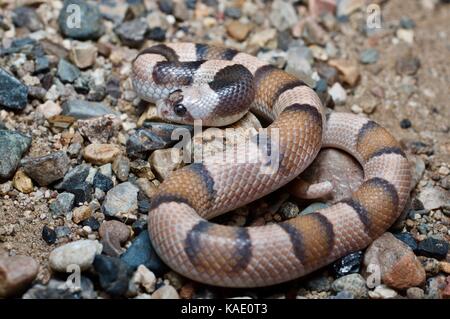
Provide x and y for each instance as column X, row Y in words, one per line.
column 186, row 78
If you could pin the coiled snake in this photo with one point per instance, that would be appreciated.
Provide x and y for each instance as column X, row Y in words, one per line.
column 195, row 81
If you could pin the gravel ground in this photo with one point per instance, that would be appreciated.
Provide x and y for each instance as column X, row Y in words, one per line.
column 81, row 156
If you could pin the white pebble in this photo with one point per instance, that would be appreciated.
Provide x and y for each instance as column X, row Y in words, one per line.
column 81, row 253
column 338, row 93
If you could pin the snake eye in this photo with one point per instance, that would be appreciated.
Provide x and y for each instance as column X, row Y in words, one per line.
column 179, row 109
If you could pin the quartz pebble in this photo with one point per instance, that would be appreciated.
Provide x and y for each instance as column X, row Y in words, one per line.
column 166, row 292
column 81, row 253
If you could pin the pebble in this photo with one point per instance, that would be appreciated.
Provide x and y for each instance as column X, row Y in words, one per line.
column 382, row 292
column 165, row 161
column 121, row 200
column 166, row 292
column 49, row 109
column 113, row 274
column 405, row 123
column 143, row 277
column 13, row 93
column 92, row 223
column 346, row 7
column 81, row 213
column 407, row 23
column 289, row 210
column 399, row 267
column 132, row 33
column 237, row 30
column 141, row 168
column 433, row 197
column 407, row 65
column 349, row 264
column 103, row 182
column 25, row 17
column 99, row 129
column 408, row 239
column 319, row 284
column 435, row 287
column 157, row 34
column 141, row 252
column 113, row 234
column 81, row 253
column 405, row 35
column 62, row 231
column 369, row 56
column 46, row 169
column 283, row 15
column 233, row 12
column 22, row 182
column 314, row 207
column 415, row 293
column 338, row 93
column 63, row 204
column 17, row 272
column 67, row 72
column 91, row 25
column 348, row 69
column 433, row 248
column 353, row 283
column 49, row 235
column 101, row 154
column 81, row 109
column 83, row 54
column 55, row 289
column 153, row 136
column 12, row 147
column 121, row 168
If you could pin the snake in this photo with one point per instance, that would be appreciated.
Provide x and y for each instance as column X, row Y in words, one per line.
column 219, row 85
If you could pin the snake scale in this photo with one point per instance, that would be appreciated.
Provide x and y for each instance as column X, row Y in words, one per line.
column 191, row 81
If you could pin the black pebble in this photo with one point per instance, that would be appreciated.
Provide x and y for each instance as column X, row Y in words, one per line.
column 92, row 223
column 103, row 182
column 49, row 235
column 113, row 274
column 405, row 123
column 157, row 34
column 139, row 226
column 433, row 248
column 349, row 264
column 408, row 239
column 143, row 203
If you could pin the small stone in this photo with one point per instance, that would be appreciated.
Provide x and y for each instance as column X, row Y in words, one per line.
column 121, row 168
column 100, row 154
column 47, row 169
column 141, row 252
column 91, row 26
column 319, row 284
column 16, row 273
column 99, row 129
column 62, row 231
column 49, row 109
column 349, row 264
column 430, row 265
column 81, row 213
column 113, row 234
column 157, row 34
column 289, row 210
column 143, row 277
column 407, row 23
column 433, row 248
column 338, row 93
column 25, row 17
column 55, row 289
column 22, row 182
column 405, row 123
column 399, row 267
column 233, row 12
column 353, row 283
column 67, row 72
column 49, row 235
column 382, row 292
column 319, row 8
column 113, row 274
column 444, row 267
column 63, row 204
column 92, row 223
column 13, row 93
column 408, row 239
column 12, row 146
column 237, row 30
column 166, row 292
column 435, row 287
column 283, row 15
column 147, row 187
column 80, row 109
column 434, row 197
column 139, row 226
column 142, row 168
column 81, row 253
column 132, row 33
column 347, row 7
column 82, row 192
column 103, row 182
column 407, row 65
column 121, row 200
column 405, row 35
column 165, row 161
column 415, row 293
column 369, row 56
column 348, row 69
column 83, row 54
